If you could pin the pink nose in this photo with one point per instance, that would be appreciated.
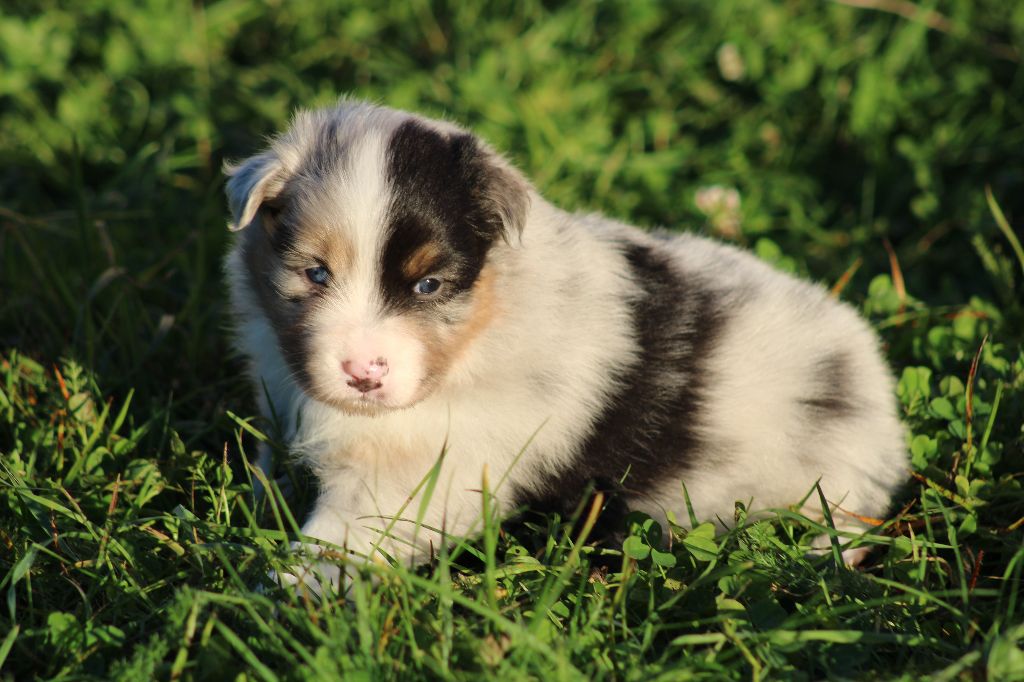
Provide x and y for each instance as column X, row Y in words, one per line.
column 365, row 376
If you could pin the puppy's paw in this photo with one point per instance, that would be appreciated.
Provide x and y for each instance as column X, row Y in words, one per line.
column 311, row 574
column 852, row 556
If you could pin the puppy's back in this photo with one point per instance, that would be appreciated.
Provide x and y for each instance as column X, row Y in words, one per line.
column 796, row 388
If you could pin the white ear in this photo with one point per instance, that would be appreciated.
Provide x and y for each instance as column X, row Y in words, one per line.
column 250, row 184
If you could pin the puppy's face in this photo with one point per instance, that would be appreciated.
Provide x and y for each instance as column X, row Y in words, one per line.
column 366, row 241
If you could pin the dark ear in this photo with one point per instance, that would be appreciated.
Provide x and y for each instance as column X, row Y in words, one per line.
column 505, row 192
column 251, row 184
column 500, row 189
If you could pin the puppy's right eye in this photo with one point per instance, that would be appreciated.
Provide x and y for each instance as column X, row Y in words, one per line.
column 318, row 275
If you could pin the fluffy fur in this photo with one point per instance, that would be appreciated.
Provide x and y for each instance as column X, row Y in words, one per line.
column 561, row 350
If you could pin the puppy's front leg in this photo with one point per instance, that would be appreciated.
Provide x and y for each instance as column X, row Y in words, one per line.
column 349, row 538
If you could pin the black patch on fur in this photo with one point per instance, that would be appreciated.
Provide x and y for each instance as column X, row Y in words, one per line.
column 438, row 183
column 260, row 253
column 327, row 153
column 281, row 232
column 832, row 376
column 648, row 429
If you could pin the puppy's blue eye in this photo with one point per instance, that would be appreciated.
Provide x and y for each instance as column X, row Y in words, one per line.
column 318, row 275
column 427, row 286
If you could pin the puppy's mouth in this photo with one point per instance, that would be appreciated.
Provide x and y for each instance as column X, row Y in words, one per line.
column 364, row 386
column 368, row 403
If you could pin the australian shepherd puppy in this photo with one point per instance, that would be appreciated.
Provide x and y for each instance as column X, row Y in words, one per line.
column 402, row 292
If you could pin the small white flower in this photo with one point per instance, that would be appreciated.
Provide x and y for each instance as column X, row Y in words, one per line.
column 716, row 199
column 730, row 63
column 722, row 207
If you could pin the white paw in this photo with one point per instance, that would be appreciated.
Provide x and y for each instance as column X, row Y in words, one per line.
column 853, row 556
column 314, row 576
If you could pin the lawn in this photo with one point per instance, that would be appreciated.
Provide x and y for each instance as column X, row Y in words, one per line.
column 876, row 146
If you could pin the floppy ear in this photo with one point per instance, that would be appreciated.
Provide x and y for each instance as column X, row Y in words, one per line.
column 506, row 193
column 500, row 189
column 251, row 184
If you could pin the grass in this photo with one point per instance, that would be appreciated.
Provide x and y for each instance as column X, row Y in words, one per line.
column 873, row 146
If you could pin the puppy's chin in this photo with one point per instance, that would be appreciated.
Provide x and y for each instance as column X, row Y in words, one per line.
column 365, row 405
column 360, row 407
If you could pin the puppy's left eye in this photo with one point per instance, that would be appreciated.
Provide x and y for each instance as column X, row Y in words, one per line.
column 318, row 275
column 427, row 286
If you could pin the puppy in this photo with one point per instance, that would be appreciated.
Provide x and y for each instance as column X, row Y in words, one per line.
column 412, row 308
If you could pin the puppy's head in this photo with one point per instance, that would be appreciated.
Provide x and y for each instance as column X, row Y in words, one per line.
column 365, row 235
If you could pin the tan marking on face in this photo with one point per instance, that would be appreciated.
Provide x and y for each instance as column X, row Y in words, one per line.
column 326, row 245
column 422, row 260
column 444, row 345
